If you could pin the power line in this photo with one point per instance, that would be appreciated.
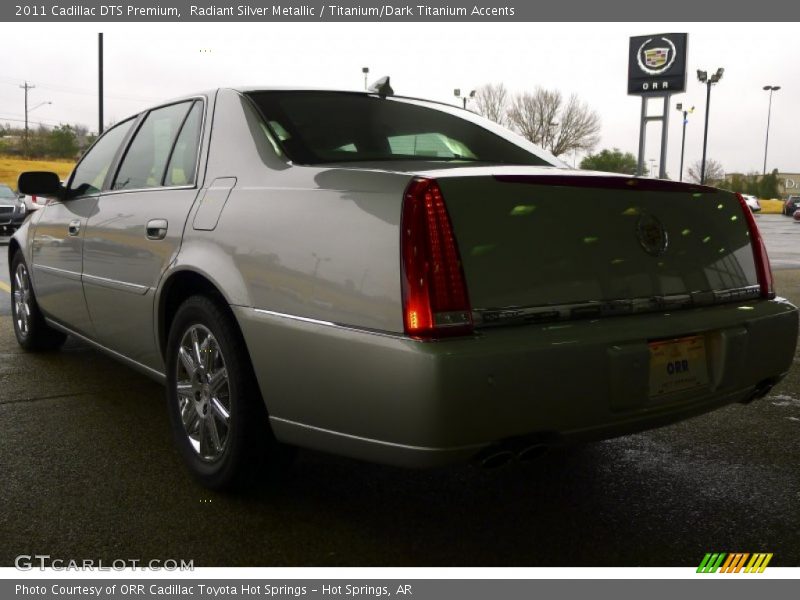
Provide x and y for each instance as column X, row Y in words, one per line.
column 68, row 90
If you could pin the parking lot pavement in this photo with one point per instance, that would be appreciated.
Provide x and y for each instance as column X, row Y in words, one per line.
column 88, row 470
column 781, row 235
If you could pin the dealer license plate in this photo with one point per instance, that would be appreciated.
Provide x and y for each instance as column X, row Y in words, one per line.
column 677, row 365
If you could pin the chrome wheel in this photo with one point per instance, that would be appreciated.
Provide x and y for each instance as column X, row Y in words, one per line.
column 203, row 392
column 22, row 300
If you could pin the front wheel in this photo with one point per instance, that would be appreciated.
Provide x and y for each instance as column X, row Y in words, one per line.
column 32, row 331
column 218, row 417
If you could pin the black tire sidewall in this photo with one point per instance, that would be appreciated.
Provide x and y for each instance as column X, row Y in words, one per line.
column 40, row 335
column 239, row 452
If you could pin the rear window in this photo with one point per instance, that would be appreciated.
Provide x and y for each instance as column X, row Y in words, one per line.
column 321, row 127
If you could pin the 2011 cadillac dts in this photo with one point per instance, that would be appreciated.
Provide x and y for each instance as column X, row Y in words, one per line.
column 392, row 279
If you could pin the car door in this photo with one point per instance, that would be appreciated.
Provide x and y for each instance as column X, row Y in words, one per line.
column 58, row 235
column 136, row 228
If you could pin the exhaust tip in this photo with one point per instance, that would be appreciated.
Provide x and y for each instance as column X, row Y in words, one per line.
column 761, row 390
column 496, row 459
column 531, row 453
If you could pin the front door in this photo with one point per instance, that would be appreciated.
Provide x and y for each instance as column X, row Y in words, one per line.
column 136, row 229
column 59, row 234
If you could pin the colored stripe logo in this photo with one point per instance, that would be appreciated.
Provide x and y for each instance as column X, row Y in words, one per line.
column 734, row 562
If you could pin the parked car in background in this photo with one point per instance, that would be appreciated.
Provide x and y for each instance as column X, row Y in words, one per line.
column 792, row 204
column 752, row 203
column 12, row 210
column 33, row 202
column 394, row 280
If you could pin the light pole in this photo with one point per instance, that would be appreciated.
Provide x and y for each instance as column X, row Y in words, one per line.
column 702, row 77
column 652, row 162
column 685, row 112
column 457, row 94
column 365, row 71
column 770, row 88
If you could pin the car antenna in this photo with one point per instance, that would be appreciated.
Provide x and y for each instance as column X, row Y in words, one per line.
column 382, row 87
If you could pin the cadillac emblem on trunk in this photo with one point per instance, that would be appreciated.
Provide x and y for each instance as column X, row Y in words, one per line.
column 652, row 235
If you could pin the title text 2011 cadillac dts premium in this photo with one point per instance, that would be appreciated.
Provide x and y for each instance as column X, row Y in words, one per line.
column 392, row 279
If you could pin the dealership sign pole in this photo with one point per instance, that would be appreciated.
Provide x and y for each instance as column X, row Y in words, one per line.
column 656, row 69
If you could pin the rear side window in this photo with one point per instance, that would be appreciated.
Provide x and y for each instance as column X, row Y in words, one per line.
column 91, row 171
column 183, row 162
column 145, row 161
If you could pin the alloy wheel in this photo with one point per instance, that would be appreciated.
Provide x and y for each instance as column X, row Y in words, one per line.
column 22, row 300
column 203, row 392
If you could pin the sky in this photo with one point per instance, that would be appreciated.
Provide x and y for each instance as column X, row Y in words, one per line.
column 146, row 63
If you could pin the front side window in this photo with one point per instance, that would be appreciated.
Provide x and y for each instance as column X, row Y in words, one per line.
column 323, row 127
column 91, row 171
column 145, row 161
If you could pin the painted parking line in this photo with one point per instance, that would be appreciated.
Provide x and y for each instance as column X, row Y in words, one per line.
column 5, row 287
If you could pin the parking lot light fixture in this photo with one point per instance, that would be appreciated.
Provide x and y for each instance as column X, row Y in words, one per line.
column 365, row 71
column 770, row 89
column 464, row 98
column 686, row 113
column 702, row 77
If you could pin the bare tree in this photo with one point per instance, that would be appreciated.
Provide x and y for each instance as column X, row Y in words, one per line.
column 543, row 118
column 715, row 173
column 491, row 100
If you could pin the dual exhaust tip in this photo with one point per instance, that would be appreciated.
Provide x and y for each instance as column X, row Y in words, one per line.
column 499, row 455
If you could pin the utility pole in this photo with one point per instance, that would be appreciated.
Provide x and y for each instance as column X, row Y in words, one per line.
column 100, row 81
column 26, row 87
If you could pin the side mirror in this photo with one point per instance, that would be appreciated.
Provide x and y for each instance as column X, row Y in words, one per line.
column 41, row 183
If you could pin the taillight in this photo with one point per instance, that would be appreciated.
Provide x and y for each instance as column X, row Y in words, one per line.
column 435, row 301
column 763, row 269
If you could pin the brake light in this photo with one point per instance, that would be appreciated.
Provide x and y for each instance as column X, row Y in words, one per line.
column 435, row 301
column 763, row 269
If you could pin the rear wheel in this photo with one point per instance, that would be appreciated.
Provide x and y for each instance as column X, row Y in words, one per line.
column 32, row 332
column 218, row 417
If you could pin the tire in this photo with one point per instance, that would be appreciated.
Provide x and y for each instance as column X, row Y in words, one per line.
column 32, row 331
column 217, row 415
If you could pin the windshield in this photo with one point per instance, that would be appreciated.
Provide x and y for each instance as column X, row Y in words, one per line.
column 7, row 193
column 324, row 127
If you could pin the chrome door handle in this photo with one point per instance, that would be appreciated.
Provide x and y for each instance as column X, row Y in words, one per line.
column 74, row 227
column 156, row 229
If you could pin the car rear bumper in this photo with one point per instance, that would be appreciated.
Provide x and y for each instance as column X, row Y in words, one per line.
column 387, row 398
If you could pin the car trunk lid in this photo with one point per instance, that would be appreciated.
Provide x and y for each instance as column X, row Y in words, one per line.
column 554, row 246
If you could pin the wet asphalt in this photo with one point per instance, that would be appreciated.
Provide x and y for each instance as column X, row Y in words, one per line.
column 88, row 470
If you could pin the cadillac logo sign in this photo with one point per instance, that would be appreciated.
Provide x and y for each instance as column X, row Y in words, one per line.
column 652, row 235
column 656, row 60
column 657, row 64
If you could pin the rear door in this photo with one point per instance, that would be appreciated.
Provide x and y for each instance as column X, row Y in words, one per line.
column 136, row 228
column 59, row 234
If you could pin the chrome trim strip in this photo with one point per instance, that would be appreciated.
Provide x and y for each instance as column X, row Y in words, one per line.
column 332, row 324
column 115, row 284
column 612, row 308
column 378, row 442
column 150, row 189
column 74, row 275
column 150, row 372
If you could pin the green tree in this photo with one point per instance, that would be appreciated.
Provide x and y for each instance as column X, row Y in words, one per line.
column 613, row 161
column 62, row 142
column 768, row 185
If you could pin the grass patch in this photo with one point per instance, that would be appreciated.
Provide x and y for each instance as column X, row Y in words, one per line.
column 11, row 167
